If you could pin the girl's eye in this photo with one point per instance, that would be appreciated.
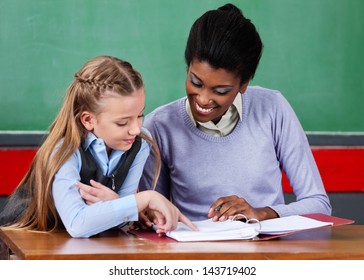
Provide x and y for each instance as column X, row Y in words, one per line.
column 141, row 116
column 121, row 124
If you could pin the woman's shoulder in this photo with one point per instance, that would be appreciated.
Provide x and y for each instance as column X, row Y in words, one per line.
column 166, row 109
column 259, row 92
column 165, row 113
column 257, row 95
column 264, row 101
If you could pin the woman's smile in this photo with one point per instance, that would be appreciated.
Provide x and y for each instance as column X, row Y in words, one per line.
column 203, row 110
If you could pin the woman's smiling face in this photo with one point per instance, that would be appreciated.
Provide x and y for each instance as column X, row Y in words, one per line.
column 211, row 91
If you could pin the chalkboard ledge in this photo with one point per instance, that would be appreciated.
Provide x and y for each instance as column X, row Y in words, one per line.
column 35, row 138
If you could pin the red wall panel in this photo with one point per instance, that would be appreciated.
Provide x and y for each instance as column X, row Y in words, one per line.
column 14, row 163
column 341, row 169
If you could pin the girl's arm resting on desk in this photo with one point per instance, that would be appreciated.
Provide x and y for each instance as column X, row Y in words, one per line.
column 105, row 209
column 80, row 219
column 166, row 214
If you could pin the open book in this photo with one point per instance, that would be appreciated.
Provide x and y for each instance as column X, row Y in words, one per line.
column 235, row 230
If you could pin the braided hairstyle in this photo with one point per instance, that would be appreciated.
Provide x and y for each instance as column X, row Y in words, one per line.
column 97, row 78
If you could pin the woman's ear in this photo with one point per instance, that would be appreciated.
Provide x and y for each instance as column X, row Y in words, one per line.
column 243, row 87
column 87, row 120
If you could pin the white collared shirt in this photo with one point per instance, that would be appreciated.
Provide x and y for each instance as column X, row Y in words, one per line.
column 227, row 123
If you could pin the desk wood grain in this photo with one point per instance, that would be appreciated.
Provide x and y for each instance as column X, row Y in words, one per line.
column 341, row 242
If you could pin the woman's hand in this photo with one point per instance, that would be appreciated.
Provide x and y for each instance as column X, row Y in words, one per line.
column 96, row 192
column 227, row 207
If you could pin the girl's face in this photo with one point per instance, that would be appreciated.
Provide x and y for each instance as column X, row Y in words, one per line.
column 119, row 121
column 211, row 91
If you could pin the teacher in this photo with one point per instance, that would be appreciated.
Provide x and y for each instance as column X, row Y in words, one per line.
column 225, row 145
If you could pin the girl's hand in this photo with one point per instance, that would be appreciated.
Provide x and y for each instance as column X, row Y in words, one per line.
column 227, row 207
column 146, row 220
column 166, row 214
column 96, row 192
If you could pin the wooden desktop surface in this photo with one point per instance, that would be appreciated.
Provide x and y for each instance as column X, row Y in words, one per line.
column 340, row 242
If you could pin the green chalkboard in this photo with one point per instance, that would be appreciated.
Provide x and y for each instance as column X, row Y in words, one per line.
column 313, row 53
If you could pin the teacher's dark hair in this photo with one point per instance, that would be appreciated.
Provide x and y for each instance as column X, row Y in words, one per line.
column 224, row 38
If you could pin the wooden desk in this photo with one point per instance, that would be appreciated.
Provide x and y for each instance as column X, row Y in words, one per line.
column 341, row 242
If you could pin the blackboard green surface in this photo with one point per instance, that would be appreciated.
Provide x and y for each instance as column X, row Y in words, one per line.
column 313, row 53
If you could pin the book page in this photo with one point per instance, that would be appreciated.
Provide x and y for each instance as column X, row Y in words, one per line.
column 210, row 231
column 235, row 230
column 290, row 224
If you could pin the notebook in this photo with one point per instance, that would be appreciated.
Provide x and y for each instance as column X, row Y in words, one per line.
column 237, row 230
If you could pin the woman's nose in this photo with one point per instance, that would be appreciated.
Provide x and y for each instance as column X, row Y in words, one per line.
column 204, row 98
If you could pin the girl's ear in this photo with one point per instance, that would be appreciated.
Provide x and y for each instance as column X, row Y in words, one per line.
column 87, row 120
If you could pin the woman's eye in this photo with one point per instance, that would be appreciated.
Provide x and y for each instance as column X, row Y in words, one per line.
column 222, row 92
column 195, row 83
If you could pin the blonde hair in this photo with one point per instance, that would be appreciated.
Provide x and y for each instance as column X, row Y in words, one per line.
column 89, row 86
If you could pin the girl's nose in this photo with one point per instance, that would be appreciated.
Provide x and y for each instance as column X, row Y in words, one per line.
column 135, row 128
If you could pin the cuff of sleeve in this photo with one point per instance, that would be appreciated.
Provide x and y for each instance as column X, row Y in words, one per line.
column 126, row 209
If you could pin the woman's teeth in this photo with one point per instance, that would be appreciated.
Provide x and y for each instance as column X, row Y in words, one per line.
column 203, row 110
